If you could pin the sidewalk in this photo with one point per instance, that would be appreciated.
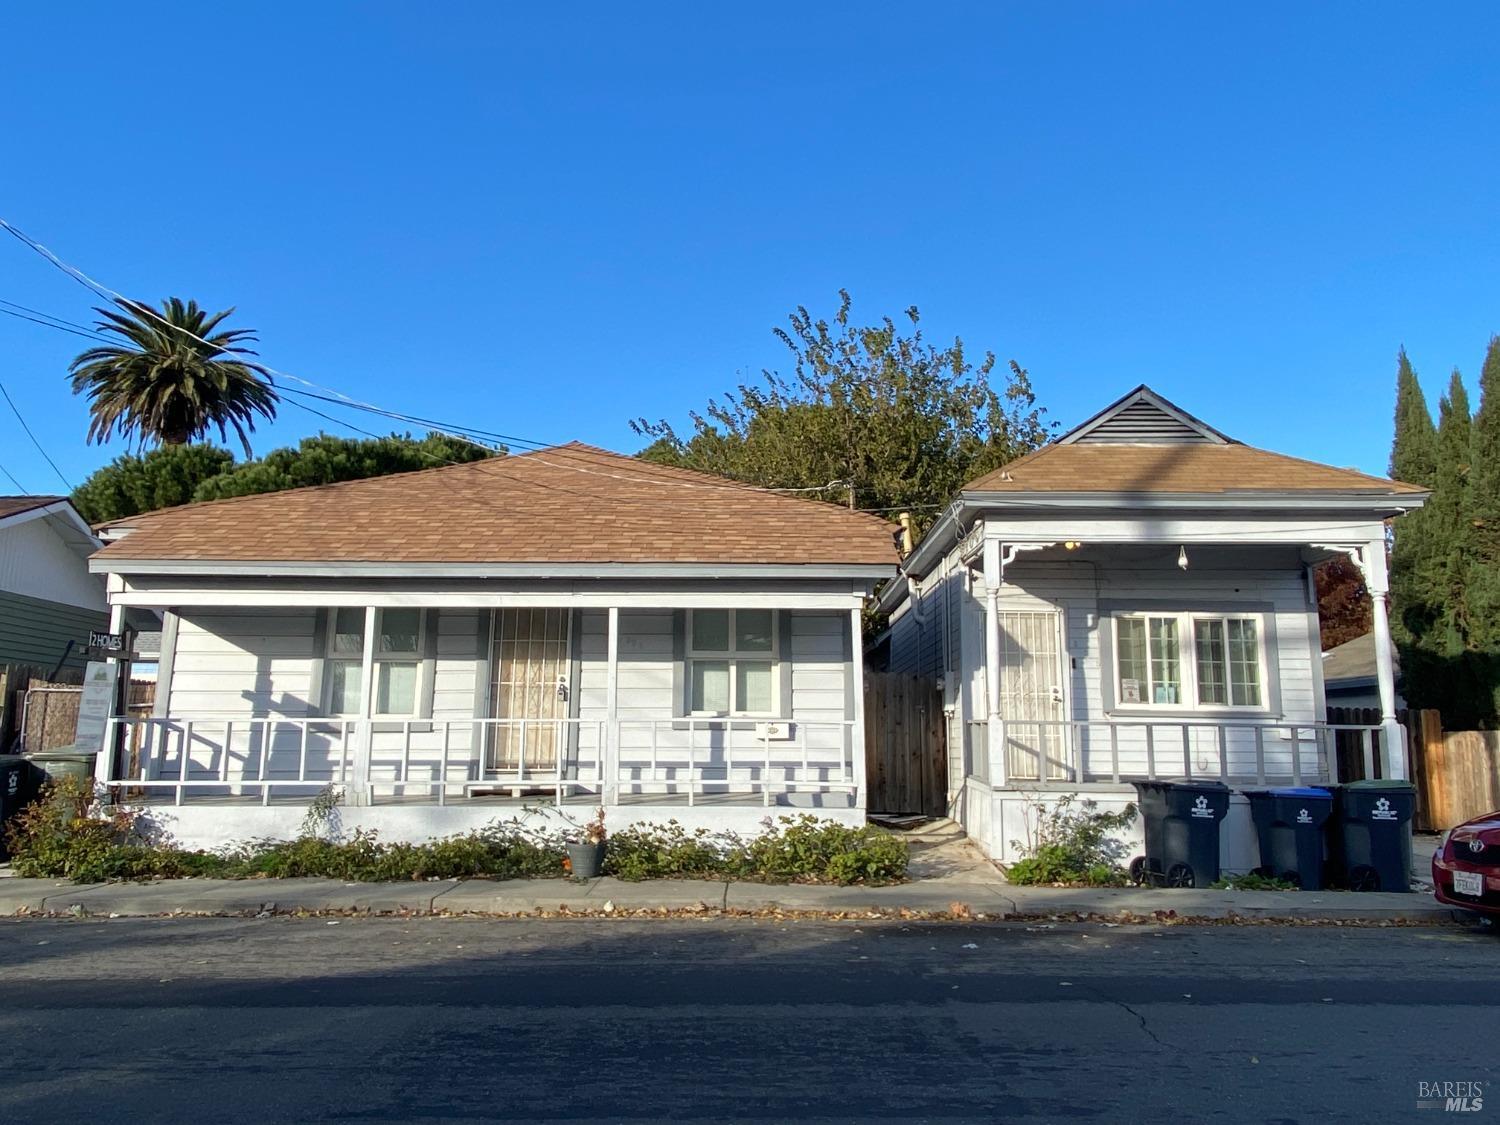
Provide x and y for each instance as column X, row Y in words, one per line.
column 992, row 900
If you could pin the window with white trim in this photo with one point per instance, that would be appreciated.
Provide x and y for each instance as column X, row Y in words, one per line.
column 398, row 661
column 1192, row 661
column 731, row 658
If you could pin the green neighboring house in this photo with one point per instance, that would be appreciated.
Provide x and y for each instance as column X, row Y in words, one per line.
column 47, row 595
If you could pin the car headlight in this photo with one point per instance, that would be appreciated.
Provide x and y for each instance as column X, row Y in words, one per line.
column 1442, row 842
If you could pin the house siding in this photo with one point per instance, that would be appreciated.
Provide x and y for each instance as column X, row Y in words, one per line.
column 36, row 632
column 36, row 562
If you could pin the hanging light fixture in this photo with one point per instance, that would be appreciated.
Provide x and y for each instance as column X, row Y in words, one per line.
column 1182, row 563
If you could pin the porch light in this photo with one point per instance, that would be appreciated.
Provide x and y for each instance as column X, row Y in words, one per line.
column 1182, row 563
column 1072, row 545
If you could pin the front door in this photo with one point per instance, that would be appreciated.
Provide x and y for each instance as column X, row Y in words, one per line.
column 529, row 689
column 1031, row 696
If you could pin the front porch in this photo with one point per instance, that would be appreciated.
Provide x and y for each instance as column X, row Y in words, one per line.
column 430, row 719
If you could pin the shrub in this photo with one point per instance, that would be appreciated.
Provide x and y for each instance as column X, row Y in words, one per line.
column 1253, row 881
column 1072, row 846
column 802, row 849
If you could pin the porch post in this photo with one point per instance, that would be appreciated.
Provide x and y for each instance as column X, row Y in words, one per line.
column 994, row 721
column 359, row 782
column 611, row 748
column 1378, row 582
column 105, row 761
column 857, row 732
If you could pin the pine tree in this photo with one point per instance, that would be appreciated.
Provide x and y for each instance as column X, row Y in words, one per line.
column 1483, row 510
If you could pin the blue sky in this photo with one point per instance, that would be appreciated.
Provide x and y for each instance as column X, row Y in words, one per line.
column 548, row 221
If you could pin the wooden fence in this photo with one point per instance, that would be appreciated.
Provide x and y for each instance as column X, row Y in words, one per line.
column 1457, row 772
column 905, row 745
column 41, row 714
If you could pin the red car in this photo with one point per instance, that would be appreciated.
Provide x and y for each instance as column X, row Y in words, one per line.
column 1466, row 866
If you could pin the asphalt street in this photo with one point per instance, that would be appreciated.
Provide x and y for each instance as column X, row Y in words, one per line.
column 462, row 1019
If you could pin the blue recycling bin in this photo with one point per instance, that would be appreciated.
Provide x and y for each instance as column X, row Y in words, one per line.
column 1289, row 828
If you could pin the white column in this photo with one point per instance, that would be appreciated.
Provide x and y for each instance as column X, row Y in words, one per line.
column 1378, row 583
column 359, row 782
column 611, row 749
column 857, row 732
column 995, row 722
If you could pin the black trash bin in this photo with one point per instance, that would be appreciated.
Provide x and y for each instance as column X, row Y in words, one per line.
column 1289, row 827
column 1369, row 837
column 1180, row 820
column 18, row 787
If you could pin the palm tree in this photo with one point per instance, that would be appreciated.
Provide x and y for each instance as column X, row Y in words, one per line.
column 172, row 379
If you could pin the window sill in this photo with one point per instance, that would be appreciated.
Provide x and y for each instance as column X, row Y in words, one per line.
column 1172, row 714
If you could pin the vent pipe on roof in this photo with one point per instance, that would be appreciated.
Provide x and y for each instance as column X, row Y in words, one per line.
column 907, row 538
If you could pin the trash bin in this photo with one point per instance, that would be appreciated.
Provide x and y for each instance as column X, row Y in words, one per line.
column 1370, row 835
column 1289, row 827
column 57, row 764
column 1180, row 820
column 17, row 788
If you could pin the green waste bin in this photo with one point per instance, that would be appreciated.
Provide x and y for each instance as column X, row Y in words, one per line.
column 18, row 787
column 1369, row 840
column 58, row 764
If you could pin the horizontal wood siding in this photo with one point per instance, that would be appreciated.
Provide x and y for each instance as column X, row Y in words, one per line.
column 36, row 562
column 36, row 632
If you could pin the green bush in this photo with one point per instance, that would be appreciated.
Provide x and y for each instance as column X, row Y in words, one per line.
column 802, row 849
column 1073, row 846
column 66, row 835
column 1250, row 881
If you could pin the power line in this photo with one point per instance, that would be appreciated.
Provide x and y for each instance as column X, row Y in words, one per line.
column 45, row 456
column 110, row 294
column 24, row 490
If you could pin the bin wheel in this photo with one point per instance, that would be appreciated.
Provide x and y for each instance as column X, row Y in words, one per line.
column 1364, row 878
column 1292, row 877
column 1180, row 875
column 1138, row 870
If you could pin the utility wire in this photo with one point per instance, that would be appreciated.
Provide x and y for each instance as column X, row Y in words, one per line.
column 24, row 490
column 112, row 295
column 17, row 412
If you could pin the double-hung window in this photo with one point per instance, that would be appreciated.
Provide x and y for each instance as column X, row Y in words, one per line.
column 398, row 661
column 1189, row 660
column 732, row 662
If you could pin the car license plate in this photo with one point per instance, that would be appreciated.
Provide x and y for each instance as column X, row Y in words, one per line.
column 1468, row 883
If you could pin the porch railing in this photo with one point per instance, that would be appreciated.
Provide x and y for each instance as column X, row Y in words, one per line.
column 441, row 760
column 1069, row 752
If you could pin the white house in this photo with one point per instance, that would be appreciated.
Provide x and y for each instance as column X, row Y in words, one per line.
column 47, row 595
column 1135, row 600
column 568, row 626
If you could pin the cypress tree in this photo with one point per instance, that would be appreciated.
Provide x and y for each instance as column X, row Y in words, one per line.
column 1483, row 511
column 1414, row 451
column 1414, row 604
column 1447, row 525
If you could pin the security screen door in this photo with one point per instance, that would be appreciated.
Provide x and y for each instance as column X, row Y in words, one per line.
column 1031, row 697
column 529, row 681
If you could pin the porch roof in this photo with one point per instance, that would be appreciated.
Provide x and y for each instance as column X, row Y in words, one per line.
column 571, row 504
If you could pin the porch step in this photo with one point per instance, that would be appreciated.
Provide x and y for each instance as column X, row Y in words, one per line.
column 937, row 830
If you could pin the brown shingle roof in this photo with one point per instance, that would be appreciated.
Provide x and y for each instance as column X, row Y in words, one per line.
column 567, row 504
column 1185, row 468
column 15, row 505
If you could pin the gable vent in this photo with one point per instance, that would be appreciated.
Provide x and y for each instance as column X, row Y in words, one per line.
column 1143, row 421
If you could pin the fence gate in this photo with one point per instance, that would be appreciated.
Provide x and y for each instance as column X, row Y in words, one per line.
column 905, row 745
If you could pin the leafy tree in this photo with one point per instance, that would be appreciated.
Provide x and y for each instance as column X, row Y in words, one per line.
column 174, row 377
column 1343, row 602
column 162, row 478
column 325, row 459
column 177, row 474
column 897, row 420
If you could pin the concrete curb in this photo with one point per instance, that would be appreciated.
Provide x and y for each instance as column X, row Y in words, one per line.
column 20, row 897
